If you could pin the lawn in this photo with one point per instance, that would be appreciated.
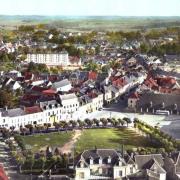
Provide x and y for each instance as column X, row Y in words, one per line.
column 101, row 138
column 41, row 141
column 111, row 138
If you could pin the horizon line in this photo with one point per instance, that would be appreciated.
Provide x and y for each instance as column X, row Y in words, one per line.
column 43, row 15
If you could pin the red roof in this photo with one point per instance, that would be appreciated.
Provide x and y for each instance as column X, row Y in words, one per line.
column 39, row 88
column 120, row 82
column 28, row 76
column 151, row 82
column 74, row 59
column 3, row 175
column 92, row 95
column 32, row 110
column 166, row 81
column 92, row 75
column 30, row 97
column 53, row 78
column 49, row 92
column 134, row 96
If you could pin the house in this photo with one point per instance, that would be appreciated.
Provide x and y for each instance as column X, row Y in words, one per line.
column 14, row 74
column 70, row 105
column 102, row 164
column 132, row 61
column 63, row 85
column 153, row 102
column 132, row 100
column 172, row 166
column 151, row 165
column 107, row 94
column 14, row 85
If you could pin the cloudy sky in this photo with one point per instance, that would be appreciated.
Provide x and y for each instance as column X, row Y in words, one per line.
column 91, row 7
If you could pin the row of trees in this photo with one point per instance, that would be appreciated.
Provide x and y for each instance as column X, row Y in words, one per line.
column 87, row 123
column 29, row 162
column 157, row 136
column 161, row 50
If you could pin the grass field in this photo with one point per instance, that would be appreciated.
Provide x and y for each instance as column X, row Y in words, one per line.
column 101, row 138
column 111, row 138
column 41, row 141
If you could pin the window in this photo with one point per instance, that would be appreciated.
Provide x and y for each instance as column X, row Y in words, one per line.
column 131, row 169
column 120, row 173
column 81, row 175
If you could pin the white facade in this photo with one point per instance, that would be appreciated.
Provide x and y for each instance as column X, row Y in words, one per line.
column 70, row 110
column 70, row 105
column 64, row 85
column 132, row 102
column 60, row 59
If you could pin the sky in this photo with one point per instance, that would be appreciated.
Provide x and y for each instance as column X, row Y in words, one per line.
column 91, row 7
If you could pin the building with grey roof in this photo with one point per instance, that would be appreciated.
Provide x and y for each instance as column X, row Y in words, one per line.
column 63, row 85
column 102, row 164
column 154, row 102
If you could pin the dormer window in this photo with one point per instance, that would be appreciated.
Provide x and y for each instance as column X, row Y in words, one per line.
column 50, row 106
column 109, row 160
column 100, row 160
column 91, row 160
column 81, row 164
column 120, row 162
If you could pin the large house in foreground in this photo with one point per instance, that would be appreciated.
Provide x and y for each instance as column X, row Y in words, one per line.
column 111, row 164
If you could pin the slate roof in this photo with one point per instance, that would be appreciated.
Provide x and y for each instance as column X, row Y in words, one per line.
column 62, row 83
column 101, row 77
column 68, row 96
column 13, row 112
column 169, row 101
column 160, row 72
column 95, row 154
column 83, row 75
column 32, row 110
column 146, row 161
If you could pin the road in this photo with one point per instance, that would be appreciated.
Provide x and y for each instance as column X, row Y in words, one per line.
column 9, row 164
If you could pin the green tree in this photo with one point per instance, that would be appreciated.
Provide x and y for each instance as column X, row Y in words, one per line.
column 7, row 99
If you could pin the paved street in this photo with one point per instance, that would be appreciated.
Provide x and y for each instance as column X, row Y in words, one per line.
column 9, row 165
